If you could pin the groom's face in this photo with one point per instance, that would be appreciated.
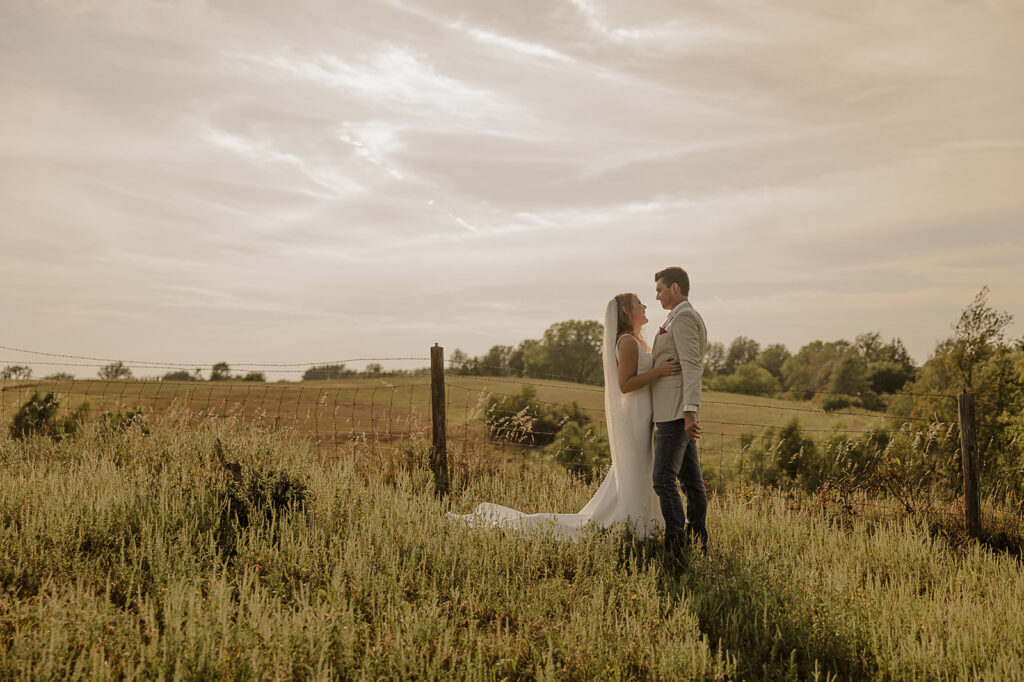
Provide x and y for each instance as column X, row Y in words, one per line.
column 667, row 295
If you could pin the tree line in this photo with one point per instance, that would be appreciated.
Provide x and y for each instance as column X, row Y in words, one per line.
column 858, row 372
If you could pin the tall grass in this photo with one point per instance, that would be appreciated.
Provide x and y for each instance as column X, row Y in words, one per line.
column 135, row 554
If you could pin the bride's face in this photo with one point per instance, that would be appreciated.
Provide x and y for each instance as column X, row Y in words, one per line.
column 637, row 313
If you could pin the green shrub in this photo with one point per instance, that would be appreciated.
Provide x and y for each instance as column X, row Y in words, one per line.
column 581, row 450
column 836, row 402
column 522, row 418
column 38, row 416
column 119, row 422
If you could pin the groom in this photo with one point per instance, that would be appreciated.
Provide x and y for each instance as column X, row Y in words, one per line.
column 676, row 400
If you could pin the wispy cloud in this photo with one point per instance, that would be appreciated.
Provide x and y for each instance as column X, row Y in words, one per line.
column 820, row 168
column 515, row 45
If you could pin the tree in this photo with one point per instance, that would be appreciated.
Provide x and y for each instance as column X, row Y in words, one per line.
column 220, row 372
column 529, row 356
column 255, row 376
column 871, row 347
column 38, row 416
column 888, row 377
column 849, row 376
column 460, row 363
column 115, row 370
column 179, row 375
column 810, row 370
column 325, row 372
column 741, row 351
column 374, row 369
column 714, row 358
column 572, row 350
column 495, row 362
column 749, row 379
column 16, row 372
column 978, row 334
column 773, row 357
column 60, row 376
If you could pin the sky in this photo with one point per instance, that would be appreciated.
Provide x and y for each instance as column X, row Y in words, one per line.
column 198, row 181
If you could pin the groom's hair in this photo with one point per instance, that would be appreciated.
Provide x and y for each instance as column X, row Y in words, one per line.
column 675, row 275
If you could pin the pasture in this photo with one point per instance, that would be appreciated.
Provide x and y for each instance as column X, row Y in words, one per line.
column 131, row 552
column 389, row 411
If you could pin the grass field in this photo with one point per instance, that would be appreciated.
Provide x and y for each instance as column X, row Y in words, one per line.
column 395, row 409
column 133, row 554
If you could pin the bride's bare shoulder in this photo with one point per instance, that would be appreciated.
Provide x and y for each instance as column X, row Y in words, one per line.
column 631, row 344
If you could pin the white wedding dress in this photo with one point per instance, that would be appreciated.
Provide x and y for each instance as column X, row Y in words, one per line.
column 626, row 494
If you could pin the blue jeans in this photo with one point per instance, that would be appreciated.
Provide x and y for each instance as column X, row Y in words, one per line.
column 675, row 457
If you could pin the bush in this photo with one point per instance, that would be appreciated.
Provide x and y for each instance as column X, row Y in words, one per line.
column 521, row 418
column 265, row 495
column 255, row 376
column 749, row 379
column 179, row 375
column 581, row 450
column 794, row 457
column 119, row 422
column 836, row 402
column 325, row 372
column 115, row 370
column 16, row 372
column 38, row 416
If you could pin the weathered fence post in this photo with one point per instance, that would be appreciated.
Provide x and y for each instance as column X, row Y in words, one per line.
column 439, row 452
column 969, row 452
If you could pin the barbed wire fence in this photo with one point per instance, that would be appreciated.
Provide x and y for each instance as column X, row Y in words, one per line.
column 487, row 410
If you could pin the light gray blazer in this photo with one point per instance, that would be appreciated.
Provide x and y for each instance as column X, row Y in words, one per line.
column 685, row 339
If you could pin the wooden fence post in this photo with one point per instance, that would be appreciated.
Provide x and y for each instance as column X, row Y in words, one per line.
column 969, row 452
column 439, row 452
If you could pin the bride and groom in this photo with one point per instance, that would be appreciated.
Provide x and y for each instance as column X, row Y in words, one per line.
column 655, row 388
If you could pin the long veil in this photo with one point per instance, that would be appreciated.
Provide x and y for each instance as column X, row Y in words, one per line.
column 625, row 494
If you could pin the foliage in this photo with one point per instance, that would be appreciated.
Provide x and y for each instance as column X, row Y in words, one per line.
column 773, row 358
column 523, row 419
column 254, row 376
column 220, row 372
column 572, row 350
column 978, row 335
column 792, row 457
column 115, row 370
column 749, row 379
column 120, row 421
column 326, row 372
column 181, row 375
column 569, row 350
column 60, row 376
column 976, row 358
column 742, row 350
column 260, row 499
column 886, row 376
column 809, row 371
column 113, row 571
column 714, row 358
column 832, row 403
column 38, row 416
column 582, row 450
column 16, row 372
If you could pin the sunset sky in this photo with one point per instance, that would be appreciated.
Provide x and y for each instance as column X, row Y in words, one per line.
column 260, row 182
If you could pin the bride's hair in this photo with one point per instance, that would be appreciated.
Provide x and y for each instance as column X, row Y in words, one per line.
column 625, row 305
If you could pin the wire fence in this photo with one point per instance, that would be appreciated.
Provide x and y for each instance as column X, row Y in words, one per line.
column 743, row 440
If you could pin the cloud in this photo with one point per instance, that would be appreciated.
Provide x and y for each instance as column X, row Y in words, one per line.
column 394, row 75
column 311, row 162
column 521, row 47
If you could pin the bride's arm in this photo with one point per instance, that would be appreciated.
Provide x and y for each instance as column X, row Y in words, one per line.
column 629, row 380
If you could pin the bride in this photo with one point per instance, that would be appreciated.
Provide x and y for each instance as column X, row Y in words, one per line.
column 626, row 494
